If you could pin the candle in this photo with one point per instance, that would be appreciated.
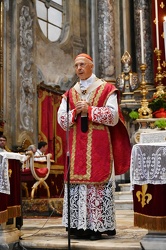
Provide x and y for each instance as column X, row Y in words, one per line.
column 142, row 43
column 157, row 26
column 164, row 29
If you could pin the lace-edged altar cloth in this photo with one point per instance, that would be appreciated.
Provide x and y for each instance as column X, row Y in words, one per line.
column 4, row 176
column 147, row 165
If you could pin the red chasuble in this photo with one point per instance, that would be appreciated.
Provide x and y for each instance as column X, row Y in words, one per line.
column 92, row 152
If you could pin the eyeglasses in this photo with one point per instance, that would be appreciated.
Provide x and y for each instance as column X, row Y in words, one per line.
column 2, row 140
column 82, row 65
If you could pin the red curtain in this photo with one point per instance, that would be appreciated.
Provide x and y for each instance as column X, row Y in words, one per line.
column 51, row 132
column 47, row 125
column 49, row 129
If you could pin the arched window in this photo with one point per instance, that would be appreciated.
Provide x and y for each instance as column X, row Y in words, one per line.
column 49, row 13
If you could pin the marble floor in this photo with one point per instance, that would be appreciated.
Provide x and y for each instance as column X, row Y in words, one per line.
column 48, row 233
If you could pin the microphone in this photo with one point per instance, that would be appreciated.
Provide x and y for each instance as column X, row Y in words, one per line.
column 84, row 122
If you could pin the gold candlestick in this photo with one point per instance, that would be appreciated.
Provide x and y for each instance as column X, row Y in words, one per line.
column 159, row 75
column 144, row 112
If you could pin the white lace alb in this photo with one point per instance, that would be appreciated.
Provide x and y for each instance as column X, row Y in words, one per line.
column 91, row 207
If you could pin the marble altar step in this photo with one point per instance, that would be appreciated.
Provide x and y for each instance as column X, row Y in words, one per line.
column 124, row 204
column 123, row 198
column 123, row 195
column 124, row 186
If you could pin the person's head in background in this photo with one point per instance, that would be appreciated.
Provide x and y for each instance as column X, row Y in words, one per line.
column 3, row 141
column 32, row 148
column 42, row 146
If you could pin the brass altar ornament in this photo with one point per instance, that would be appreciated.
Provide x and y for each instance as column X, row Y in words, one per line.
column 159, row 75
column 144, row 197
column 144, row 112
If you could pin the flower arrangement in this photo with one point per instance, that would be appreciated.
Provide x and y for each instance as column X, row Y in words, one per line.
column 158, row 105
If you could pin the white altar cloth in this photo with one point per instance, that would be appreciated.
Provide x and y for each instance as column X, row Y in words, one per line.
column 148, row 164
column 4, row 176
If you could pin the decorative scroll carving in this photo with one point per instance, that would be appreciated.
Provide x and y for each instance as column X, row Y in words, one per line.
column 27, row 89
column 106, row 39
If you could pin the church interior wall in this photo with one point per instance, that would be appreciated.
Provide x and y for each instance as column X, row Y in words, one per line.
column 104, row 29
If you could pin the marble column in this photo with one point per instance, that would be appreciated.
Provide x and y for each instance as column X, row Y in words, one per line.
column 94, row 35
column 106, row 41
column 145, row 6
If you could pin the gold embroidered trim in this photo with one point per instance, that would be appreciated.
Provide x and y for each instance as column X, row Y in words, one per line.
column 73, row 151
column 96, row 99
column 111, row 156
column 75, row 96
column 88, row 156
column 89, row 151
column 99, row 127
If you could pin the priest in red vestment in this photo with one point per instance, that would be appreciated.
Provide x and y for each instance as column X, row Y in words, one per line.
column 99, row 149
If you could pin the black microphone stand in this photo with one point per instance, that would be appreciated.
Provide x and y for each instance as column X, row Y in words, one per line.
column 68, row 165
column 68, row 170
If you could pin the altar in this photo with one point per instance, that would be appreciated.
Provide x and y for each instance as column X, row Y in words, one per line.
column 148, row 183
column 10, row 197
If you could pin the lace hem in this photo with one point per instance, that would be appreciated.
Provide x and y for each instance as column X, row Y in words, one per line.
column 91, row 207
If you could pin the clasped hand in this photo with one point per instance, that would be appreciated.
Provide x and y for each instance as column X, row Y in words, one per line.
column 81, row 106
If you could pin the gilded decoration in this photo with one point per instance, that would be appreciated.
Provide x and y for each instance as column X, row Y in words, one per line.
column 144, row 197
column 96, row 99
column 58, row 146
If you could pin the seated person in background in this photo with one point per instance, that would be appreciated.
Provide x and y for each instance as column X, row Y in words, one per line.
column 40, row 153
column 31, row 150
column 3, row 141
